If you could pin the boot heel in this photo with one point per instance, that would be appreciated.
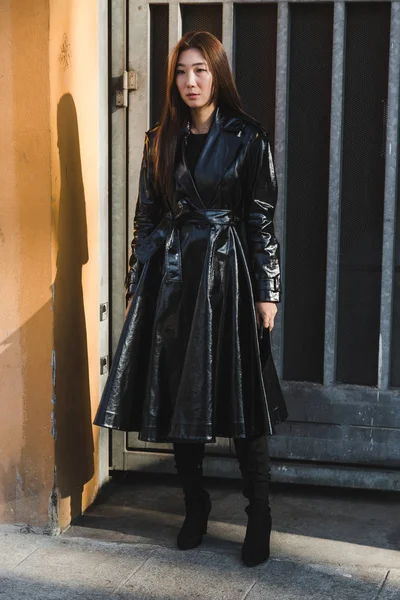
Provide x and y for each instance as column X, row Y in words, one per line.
column 256, row 546
column 195, row 524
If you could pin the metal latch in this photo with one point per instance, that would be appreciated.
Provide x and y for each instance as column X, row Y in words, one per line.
column 129, row 82
column 103, row 311
column 103, row 365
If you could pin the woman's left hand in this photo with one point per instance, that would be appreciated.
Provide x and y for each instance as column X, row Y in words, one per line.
column 265, row 312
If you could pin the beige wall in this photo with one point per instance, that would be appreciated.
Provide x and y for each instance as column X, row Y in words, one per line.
column 49, row 272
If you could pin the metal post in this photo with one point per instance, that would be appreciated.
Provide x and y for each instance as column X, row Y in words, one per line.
column 332, row 267
column 389, row 218
column 118, row 174
column 175, row 24
column 227, row 29
column 281, row 108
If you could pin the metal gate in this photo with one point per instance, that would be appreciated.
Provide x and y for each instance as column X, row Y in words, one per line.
column 323, row 78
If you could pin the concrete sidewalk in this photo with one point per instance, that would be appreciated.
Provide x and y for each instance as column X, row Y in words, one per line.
column 326, row 544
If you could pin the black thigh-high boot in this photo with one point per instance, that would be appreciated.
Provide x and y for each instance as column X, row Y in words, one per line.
column 189, row 464
column 253, row 457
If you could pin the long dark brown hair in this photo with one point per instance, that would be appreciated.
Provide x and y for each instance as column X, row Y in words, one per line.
column 176, row 113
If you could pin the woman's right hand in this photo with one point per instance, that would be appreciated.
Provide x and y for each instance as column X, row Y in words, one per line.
column 128, row 306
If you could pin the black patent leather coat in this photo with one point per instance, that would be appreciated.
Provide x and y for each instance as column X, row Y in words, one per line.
column 191, row 362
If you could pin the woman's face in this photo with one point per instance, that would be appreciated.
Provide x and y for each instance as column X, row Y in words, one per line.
column 193, row 78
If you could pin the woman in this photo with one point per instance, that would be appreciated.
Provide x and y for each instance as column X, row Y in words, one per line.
column 191, row 364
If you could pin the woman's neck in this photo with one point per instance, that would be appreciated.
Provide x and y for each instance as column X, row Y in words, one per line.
column 201, row 118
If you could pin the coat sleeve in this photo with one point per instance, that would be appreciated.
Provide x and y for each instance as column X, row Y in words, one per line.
column 147, row 216
column 263, row 245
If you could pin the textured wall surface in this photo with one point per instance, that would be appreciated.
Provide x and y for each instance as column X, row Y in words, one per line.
column 26, row 443
column 49, row 265
column 74, row 155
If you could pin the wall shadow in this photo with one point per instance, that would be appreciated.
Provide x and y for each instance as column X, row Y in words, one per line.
column 72, row 411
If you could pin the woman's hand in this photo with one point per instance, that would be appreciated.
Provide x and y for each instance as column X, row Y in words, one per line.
column 128, row 306
column 265, row 312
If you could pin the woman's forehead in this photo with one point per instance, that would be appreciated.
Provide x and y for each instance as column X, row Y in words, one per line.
column 191, row 57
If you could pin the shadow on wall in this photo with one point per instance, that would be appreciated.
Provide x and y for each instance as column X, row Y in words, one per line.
column 73, row 428
column 27, row 483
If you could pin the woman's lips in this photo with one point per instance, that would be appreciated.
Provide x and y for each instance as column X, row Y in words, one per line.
column 192, row 95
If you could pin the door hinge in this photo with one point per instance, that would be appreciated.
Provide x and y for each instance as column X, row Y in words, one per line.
column 129, row 82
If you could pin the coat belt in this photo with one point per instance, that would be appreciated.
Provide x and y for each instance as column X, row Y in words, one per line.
column 168, row 231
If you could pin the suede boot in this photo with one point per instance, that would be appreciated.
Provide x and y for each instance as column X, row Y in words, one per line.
column 254, row 464
column 189, row 464
column 256, row 545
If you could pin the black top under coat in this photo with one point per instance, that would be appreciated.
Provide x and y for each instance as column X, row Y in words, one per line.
column 195, row 144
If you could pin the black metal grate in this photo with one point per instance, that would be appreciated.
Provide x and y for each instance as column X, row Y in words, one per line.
column 395, row 364
column 255, row 61
column 159, row 17
column 310, row 71
column 363, row 172
column 202, row 17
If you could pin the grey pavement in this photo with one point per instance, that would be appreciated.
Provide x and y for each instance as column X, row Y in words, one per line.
column 326, row 544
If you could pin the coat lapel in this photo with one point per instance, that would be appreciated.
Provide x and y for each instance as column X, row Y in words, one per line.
column 184, row 180
column 221, row 147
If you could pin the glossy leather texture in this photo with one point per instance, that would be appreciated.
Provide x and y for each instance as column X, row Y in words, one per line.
column 191, row 363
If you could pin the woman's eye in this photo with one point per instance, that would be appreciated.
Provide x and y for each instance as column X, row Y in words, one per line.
column 179, row 72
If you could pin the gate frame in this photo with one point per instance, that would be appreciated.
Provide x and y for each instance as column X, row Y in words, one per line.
column 124, row 139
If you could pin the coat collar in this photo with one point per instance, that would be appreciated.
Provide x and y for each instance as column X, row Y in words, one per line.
column 221, row 122
column 221, row 147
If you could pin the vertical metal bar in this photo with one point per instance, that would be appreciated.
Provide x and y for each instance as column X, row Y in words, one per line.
column 280, row 156
column 389, row 220
column 103, row 214
column 139, row 100
column 227, row 29
column 118, row 176
column 138, row 58
column 175, row 25
column 118, row 172
column 332, row 265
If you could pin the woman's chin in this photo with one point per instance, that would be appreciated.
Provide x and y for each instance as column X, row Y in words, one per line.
column 194, row 103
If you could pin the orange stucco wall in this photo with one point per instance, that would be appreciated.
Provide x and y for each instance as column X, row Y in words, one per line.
column 26, row 443
column 49, row 260
column 74, row 159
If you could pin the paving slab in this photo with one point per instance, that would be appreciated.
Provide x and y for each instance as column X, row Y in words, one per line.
column 310, row 549
column 174, row 575
column 13, row 587
column 16, row 547
column 293, row 581
column 391, row 587
column 73, row 569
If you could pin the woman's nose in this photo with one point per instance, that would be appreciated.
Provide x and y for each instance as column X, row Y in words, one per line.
column 190, row 80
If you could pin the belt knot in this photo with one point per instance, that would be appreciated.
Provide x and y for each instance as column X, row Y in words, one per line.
column 168, row 231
